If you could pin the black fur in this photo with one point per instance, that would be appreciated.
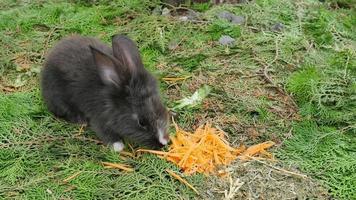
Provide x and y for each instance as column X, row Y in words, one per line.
column 83, row 80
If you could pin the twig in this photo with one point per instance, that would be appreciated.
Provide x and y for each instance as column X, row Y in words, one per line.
column 81, row 129
column 265, row 73
column 162, row 153
column 175, row 79
column 267, row 65
column 270, row 81
column 280, row 169
column 277, row 53
column 170, row 172
column 72, row 177
column 234, row 187
column 132, row 149
column 70, row 188
column 125, row 153
column 118, row 166
column 7, row 88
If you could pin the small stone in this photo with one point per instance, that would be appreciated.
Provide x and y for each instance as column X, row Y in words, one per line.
column 238, row 19
column 166, row 12
column 278, row 27
column 231, row 17
column 225, row 15
column 189, row 16
column 226, row 40
column 157, row 11
column 192, row 15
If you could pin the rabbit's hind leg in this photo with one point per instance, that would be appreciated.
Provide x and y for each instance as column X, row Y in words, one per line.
column 64, row 110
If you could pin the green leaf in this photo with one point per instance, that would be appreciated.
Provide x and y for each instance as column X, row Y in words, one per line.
column 195, row 99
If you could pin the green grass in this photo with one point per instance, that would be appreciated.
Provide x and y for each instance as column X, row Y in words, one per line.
column 326, row 153
column 312, row 59
column 324, row 141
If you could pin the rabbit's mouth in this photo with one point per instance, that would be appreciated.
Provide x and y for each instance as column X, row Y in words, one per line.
column 163, row 137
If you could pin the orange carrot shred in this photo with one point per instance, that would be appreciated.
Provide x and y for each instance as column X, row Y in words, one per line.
column 206, row 149
column 256, row 149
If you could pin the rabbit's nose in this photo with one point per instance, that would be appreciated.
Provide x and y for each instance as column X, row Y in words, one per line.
column 163, row 138
column 166, row 137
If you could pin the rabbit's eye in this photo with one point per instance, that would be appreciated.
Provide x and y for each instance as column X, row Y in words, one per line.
column 142, row 123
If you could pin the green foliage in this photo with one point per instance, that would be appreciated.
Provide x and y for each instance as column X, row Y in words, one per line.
column 302, row 84
column 329, row 28
column 324, row 87
column 318, row 26
column 328, row 95
column 326, row 153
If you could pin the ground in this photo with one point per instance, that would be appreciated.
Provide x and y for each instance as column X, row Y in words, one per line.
column 288, row 76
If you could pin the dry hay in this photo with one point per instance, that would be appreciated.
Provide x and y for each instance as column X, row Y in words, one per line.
column 264, row 181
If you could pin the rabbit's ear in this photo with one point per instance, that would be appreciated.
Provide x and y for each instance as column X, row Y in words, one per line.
column 126, row 51
column 106, row 67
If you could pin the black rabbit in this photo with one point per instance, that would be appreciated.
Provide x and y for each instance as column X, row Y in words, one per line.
column 85, row 81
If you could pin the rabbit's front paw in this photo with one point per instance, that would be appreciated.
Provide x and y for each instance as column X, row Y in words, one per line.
column 118, row 146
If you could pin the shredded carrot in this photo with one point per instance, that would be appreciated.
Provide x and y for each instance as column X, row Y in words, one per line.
column 256, row 149
column 205, row 150
column 240, row 149
column 117, row 166
column 170, row 172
